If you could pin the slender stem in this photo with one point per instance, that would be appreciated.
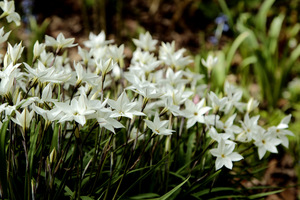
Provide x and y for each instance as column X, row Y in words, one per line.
column 102, row 161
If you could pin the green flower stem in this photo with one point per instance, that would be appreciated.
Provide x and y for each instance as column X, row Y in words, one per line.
column 4, row 178
column 142, row 152
column 79, row 167
column 96, row 151
column 119, row 185
column 67, row 173
column 102, row 161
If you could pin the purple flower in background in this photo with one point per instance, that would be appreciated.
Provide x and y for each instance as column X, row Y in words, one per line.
column 27, row 9
column 222, row 20
column 213, row 39
column 27, row 6
column 222, row 26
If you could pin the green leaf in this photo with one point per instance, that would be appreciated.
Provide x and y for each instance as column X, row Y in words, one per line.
column 219, row 71
column 31, row 152
column 3, row 167
column 294, row 56
column 168, row 194
column 218, row 189
column 248, row 61
column 144, row 196
column 228, row 197
column 190, row 147
column 54, row 143
column 260, row 195
column 144, row 176
column 235, row 45
column 274, row 32
column 86, row 198
column 261, row 17
column 68, row 192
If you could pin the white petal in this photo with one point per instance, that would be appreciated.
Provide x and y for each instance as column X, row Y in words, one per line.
column 227, row 163
column 235, row 156
column 261, row 152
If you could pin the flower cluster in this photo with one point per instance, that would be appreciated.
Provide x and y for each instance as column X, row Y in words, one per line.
column 155, row 87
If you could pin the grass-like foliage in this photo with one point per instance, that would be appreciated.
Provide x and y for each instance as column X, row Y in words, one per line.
column 111, row 127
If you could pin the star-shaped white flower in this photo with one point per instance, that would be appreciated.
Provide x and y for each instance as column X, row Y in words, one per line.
column 210, row 62
column 60, row 42
column 229, row 127
column 225, row 155
column 77, row 111
column 96, row 41
column 159, row 127
column 145, row 42
column 195, row 112
column 265, row 141
column 23, row 119
column 8, row 8
column 281, row 132
column 3, row 37
column 123, row 107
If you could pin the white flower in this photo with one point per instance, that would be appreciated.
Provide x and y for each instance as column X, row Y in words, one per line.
column 77, row 111
column 46, row 114
column 234, row 96
column 44, row 74
column 178, row 95
column 159, row 127
column 116, row 53
column 96, row 41
column 265, row 141
column 123, row 107
column 175, row 59
column 216, row 103
column 166, row 48
column 46, row 58
column 195, row 112
column 38, row 49
column 250, row 128
column 23, row 119
column 105, row 66
column 210, row 62
column 252, row 104
column 281, row 132
column 8, row 8
column 86, row 56
column 229, row 127
column 105, row 120
column 169, row 106
column 3, row 37
column 145, row 42
column 174, row 78
column 7, row 77
column 142, row 86
column 14, row 53
column 84, row 75
column 225, row 155
column 219, row 136
column 60, row 42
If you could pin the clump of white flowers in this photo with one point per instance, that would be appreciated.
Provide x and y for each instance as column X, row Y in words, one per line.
column 153, row 89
